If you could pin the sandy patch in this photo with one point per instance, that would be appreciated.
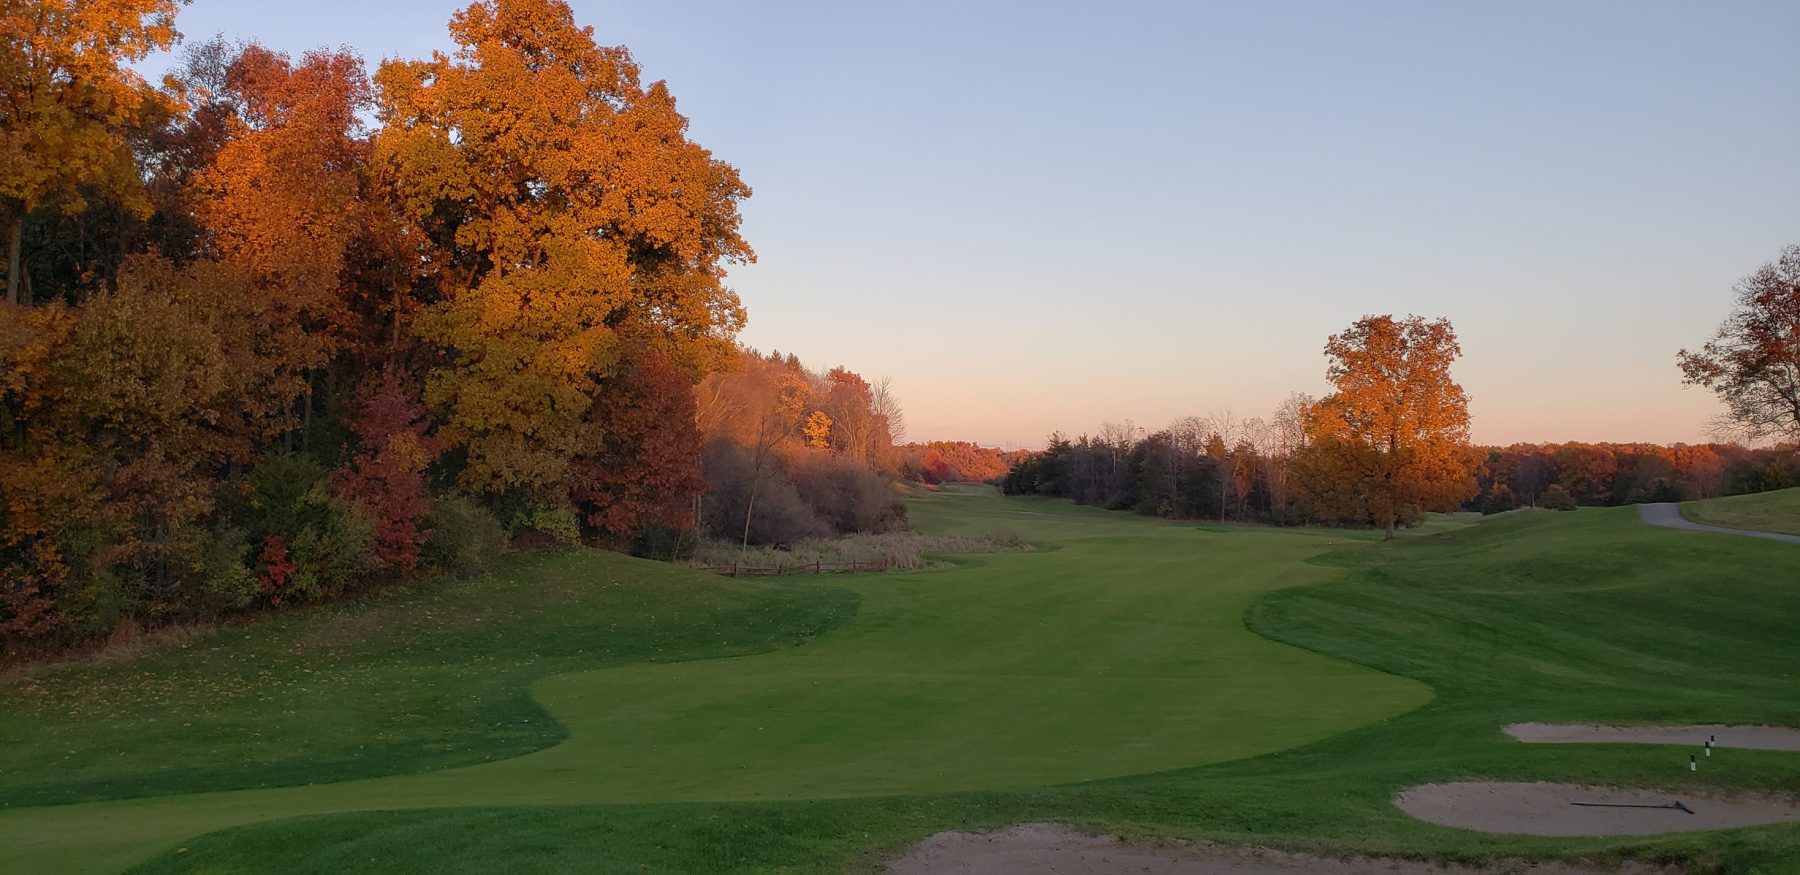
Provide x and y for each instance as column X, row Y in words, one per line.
column 1547, row 809
column 1750, row 737
column 1055, row 848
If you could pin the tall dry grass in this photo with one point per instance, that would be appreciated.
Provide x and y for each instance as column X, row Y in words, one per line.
column 897, row 549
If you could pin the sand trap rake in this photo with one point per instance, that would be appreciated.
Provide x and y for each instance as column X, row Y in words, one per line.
column 1677, row 805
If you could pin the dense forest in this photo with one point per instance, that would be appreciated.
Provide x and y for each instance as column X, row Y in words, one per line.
column 278, row 329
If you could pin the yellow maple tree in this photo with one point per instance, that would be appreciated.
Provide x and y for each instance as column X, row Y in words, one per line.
column 560, row 208
column 817, row 429
column 67, row 97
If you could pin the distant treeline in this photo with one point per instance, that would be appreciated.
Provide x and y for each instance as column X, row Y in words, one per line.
column 1256, row 472
column 1612, row 474
column 1196, row 468
column 935, row 462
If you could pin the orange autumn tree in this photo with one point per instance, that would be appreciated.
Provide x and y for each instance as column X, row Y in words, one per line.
column 1393, row 440
column 560, row 207
column 279, row 201
column 67, row 100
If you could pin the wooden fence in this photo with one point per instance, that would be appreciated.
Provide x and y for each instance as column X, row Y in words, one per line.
column 738, row 570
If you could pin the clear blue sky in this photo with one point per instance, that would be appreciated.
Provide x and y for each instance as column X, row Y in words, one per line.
column 1040, row 216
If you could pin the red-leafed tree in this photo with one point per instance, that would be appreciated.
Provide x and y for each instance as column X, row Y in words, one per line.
column 277, row 567
column 643, row 466
column 1753, row 361
column 387, row 474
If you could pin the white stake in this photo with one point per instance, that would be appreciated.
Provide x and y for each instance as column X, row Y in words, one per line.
column 1693, row 763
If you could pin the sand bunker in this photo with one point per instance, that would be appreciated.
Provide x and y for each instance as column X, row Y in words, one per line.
column 1751, row 737
column 1547, row 809
column 1055, row 848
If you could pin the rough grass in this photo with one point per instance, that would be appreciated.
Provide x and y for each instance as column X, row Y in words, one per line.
column 1109, row 682
column 900, row 550
column 1777, row 511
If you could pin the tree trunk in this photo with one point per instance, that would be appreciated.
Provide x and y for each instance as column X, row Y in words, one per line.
column 750, row 509
column 12, row 259
column 306, row 412
column 1389, row 527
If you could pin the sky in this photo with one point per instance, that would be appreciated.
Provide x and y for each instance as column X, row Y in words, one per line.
column 1046, row 216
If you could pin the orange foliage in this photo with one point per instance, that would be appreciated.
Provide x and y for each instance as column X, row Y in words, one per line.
column 562, row 210
column 947, row 461
column 767, row 402
column 1393, row 439
column 1610, row 473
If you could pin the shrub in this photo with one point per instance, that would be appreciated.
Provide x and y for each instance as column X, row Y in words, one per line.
column 386, row 476
column 559, row 524
column 778, row 514
column 312, row 543
column 342, row 553
column 1004, row 537
column 1499, row 500
column 847, row 495
column 465, row 539
column 1557, row 498
column 226, row 582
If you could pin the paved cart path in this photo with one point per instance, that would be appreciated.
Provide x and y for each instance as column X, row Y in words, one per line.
column 1668, row 514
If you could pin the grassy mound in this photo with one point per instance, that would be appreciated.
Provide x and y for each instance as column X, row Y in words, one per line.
column 1777, row 511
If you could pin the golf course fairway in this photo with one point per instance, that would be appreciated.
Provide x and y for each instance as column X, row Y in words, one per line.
column 1116, row 647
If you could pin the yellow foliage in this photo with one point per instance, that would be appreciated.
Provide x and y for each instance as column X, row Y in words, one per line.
column 818, row 430
column 66, row 97
column 559, row 207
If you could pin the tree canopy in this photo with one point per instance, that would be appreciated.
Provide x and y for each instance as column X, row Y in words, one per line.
column 1753, row 360
column 273, row 341
column 560, row 209
column 1393, row 439
column 67, row 98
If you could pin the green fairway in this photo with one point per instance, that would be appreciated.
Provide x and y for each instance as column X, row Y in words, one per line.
column 1777, row 511
column 1118, row 649
column 1583, row 616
